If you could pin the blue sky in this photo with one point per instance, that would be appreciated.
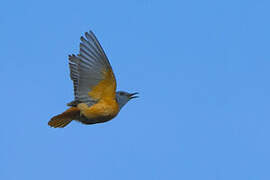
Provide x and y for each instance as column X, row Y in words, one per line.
column 202, row 70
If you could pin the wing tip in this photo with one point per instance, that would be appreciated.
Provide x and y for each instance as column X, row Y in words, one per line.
column 71, row 55
column 82, row 38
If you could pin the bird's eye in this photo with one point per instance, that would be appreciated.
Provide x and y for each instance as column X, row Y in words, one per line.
column 121, row 93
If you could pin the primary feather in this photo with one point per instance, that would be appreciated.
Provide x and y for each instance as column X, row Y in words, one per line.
column 88, row 69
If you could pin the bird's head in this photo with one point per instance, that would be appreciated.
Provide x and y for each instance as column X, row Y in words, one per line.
column 123, row 97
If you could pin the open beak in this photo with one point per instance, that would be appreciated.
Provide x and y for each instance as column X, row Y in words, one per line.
column 132, row 95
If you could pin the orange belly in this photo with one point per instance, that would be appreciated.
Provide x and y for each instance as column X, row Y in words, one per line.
column 104, row 108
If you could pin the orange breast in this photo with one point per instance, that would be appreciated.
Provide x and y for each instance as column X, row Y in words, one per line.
column 104, row 108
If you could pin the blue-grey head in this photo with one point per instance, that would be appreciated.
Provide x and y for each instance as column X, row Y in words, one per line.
column 123, row 97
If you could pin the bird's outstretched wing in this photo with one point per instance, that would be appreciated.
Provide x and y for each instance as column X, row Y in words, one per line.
column 91, row 72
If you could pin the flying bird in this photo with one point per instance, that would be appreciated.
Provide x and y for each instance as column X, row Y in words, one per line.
column 94, row 83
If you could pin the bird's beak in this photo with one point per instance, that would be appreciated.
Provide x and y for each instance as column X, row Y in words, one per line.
column 131, row 96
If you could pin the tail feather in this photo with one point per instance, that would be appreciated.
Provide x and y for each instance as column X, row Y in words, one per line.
column 65, row 118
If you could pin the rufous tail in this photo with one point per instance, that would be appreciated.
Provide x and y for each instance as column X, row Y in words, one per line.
column 65, row 118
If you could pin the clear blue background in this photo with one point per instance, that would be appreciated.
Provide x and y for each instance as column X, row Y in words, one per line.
column 202, row 70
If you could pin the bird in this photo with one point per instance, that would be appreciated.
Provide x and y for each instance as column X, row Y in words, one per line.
column 95, row 97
